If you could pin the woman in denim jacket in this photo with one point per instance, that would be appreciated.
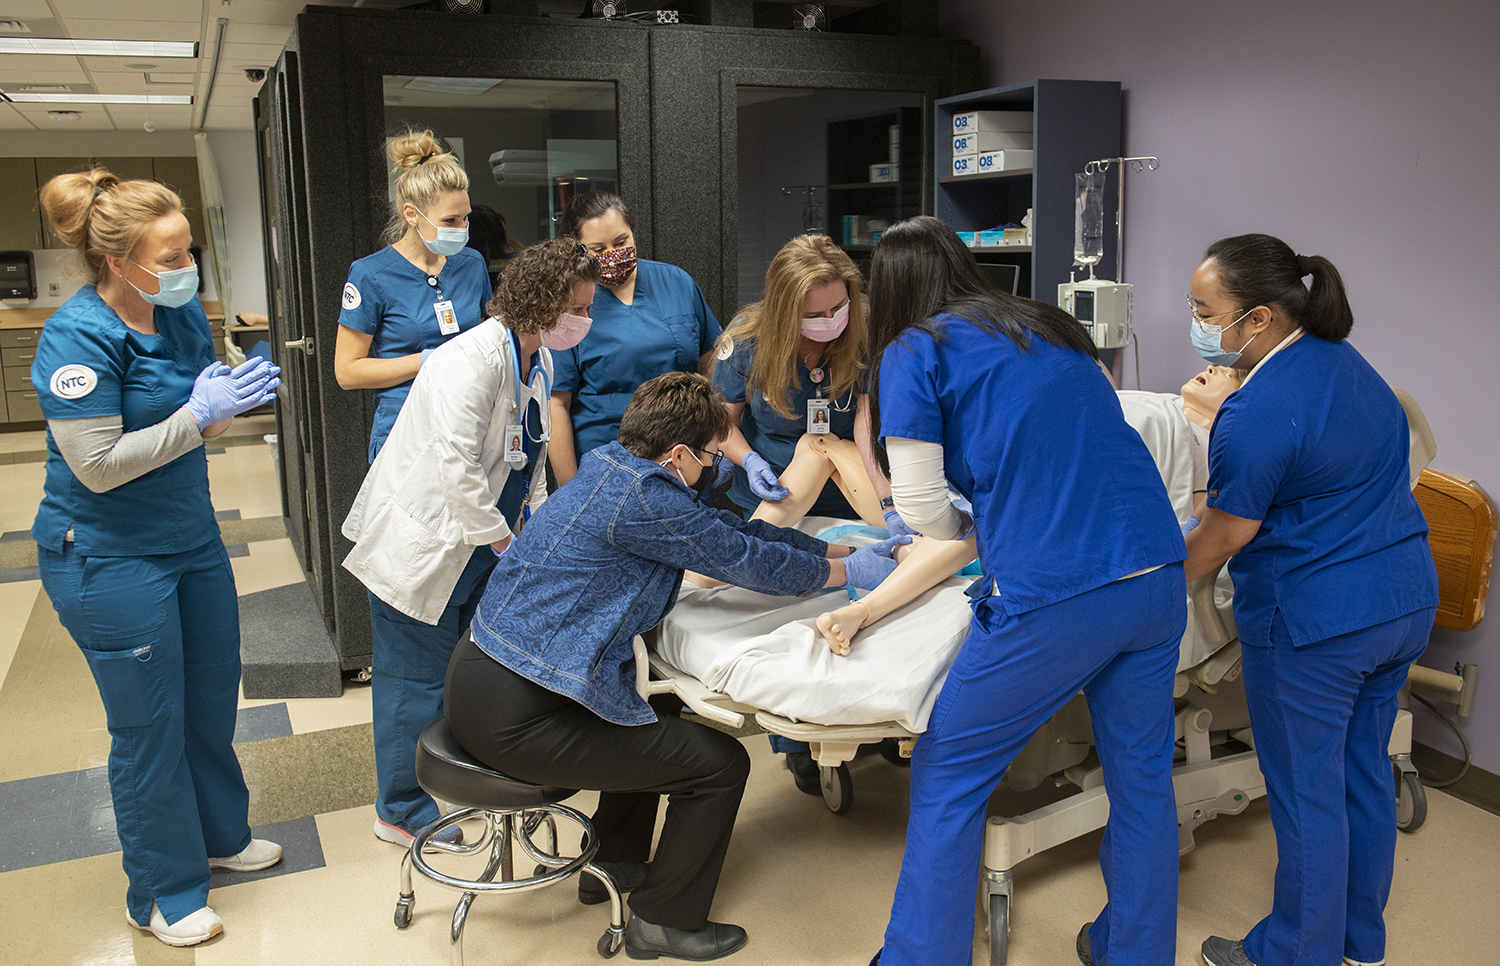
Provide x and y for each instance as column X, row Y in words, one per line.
column 545, row 690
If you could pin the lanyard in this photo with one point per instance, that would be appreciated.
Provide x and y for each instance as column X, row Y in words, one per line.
column 515, row 362
column 1279, row 346
column 437, row 286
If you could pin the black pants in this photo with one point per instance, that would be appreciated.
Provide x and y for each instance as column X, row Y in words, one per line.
column 530, row 733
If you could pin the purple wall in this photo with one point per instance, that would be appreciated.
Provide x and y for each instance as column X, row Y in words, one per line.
column 1362, row 130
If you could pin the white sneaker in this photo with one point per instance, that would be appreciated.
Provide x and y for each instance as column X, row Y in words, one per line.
column 190, row 930
column 259, row 854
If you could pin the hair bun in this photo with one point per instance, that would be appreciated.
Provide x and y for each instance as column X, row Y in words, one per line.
column 1304, row 266
column 413, row 148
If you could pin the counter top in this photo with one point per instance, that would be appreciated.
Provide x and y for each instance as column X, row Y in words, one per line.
column 31, row 318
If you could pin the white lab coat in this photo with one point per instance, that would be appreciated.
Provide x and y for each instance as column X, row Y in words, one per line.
column 429, row 497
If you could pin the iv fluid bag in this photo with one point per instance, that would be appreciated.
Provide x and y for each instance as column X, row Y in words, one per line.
column 1088, row 219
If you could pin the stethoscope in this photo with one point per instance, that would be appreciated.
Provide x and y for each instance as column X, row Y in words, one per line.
column 538, row 368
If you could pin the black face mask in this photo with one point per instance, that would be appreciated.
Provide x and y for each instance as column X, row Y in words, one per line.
column 706, row 476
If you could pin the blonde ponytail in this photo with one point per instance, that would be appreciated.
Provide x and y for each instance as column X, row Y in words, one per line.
column 426, row 171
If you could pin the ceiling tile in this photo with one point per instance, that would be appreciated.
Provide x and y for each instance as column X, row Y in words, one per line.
column 139, row 9
column 92, row 29
column 239, row 32
column 25, row 10
column 235, row 53
column 136, row 84
column 37, row 62
column 12, row 79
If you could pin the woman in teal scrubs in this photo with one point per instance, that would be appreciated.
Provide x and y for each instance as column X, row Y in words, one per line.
column 1001, row 399
column 416, row 293
column 649, row 318
column 127, row 546
column 1309, row 500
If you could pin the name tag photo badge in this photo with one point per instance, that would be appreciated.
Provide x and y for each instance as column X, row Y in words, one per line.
column 514, row 452
column 447, row 321
column 817, row 416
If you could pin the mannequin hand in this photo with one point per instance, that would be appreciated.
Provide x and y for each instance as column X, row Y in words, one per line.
column 897, row 526
column 763, row 481
column 219, row 393
column 866, row 567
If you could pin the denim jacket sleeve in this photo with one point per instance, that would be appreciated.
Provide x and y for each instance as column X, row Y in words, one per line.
column 661, row 521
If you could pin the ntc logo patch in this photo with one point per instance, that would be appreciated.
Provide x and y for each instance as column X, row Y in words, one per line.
column 73, row 382
column 351, row 296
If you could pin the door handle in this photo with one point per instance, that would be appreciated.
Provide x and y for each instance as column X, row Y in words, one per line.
column 305, row 344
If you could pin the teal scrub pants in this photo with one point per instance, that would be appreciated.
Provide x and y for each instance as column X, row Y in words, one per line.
column 409, row 662
column 162, row 637
column 1119, row 644
column 1322, row 716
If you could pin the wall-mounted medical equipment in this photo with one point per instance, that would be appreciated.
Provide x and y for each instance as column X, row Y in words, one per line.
column 17, row 276
column 1105, row 306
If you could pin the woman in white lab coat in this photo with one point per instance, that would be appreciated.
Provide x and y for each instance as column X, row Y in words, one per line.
column 461, row 467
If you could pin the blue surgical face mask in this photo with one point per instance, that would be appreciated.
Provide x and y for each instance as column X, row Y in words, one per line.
column 177, row 287
column 1208, row 340
column 450, row 241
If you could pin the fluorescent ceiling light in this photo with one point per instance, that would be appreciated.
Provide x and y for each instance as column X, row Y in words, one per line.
column 100, row 48
column 451, row 85
column 98, row 98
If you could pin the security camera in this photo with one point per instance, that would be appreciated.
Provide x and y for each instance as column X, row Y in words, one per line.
column 255, row 74
column 150, row 126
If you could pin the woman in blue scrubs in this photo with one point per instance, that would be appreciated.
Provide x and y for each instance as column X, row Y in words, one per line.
column 649, row 318
column 1001, row 399
column 419, row 291
column 1309, row 501
column 127, row 546
column 442, row 498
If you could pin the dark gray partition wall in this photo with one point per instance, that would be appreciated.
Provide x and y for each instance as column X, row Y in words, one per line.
column 322, row 123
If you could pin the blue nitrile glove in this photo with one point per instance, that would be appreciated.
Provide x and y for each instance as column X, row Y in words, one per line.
column 725, row 474
column 1191, row 525
column 763, row 482
column 897, row 526
column 219, row 393
column 425, row 354
column 866, row 567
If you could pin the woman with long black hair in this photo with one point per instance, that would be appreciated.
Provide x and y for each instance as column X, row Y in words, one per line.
column 1002, row 400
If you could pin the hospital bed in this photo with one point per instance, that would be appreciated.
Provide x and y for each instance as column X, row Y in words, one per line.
column 729, row 653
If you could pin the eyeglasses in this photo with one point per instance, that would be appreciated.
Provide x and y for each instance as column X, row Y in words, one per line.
column 1202, row 321
column 717, row 461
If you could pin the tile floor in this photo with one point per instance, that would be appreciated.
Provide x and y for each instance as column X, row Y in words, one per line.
column 811, row 887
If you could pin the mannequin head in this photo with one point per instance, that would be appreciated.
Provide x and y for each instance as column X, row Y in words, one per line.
column 1203, row 394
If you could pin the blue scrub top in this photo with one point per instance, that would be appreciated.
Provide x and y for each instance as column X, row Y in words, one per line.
column 388, row 298
column 666, row 328
column 1316, row 446
column 774, row 436
column 1066, row 496
column 89, row 363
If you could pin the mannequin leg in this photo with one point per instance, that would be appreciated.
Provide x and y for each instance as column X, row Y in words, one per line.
column 929, row 563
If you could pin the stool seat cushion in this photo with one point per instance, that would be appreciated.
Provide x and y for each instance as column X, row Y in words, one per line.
column 448, row 772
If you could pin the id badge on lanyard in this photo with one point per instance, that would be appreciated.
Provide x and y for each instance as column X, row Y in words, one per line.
column 818, row 419
column 447, row 321
column 515, row 443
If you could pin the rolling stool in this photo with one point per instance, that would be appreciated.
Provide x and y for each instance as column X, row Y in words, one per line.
column 513, row 811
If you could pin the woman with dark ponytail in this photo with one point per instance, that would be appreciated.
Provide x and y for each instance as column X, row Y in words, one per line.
column 1309, row 501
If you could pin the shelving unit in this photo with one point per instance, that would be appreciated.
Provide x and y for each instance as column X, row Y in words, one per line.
column 854, row 144
column 1073, row 123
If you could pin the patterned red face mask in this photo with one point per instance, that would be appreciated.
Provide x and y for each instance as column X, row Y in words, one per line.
column 615, row 266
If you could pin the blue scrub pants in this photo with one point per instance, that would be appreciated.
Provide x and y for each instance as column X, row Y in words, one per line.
column 409, row 660
column 1119, row 643
column 1322, row 716
column 162, row 637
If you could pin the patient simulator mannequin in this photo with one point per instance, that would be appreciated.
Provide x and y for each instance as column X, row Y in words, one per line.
column 925, row 563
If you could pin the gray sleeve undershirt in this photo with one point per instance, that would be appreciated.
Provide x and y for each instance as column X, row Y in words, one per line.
column 103, row 457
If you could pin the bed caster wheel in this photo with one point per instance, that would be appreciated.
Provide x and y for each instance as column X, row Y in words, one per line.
column 890, row 750
column 403, row 911
column 838, row 788
column 999, row 929
column 610, row 942
column 1411, row 800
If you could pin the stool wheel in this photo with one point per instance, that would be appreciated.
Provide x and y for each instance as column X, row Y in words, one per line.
column 610, row 942
column 403, row 911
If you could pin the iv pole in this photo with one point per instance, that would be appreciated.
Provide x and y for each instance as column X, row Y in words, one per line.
column 1101, row 167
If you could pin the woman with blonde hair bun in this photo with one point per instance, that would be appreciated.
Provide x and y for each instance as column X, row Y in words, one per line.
column 127, row 547
column 416, row 293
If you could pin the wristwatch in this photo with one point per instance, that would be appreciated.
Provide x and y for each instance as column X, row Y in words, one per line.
column 887, row 503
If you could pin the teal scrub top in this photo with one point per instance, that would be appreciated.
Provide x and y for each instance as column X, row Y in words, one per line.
column 89, row 363
column 390, row 299
column 1066, row 496
column 1316, row 447
column 774, row 436
column 666, row 328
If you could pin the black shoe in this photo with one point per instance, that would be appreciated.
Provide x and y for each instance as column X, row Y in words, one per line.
column 717, row 939
column 805, row 772
column 628, row 877
column 1225, row 952
column 1085, row 953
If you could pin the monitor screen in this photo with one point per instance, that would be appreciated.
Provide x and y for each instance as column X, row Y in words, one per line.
column 1004, row 277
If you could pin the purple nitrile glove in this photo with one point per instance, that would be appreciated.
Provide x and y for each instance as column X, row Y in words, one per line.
column 763, row 481
column 897, row 526
column 866, row 567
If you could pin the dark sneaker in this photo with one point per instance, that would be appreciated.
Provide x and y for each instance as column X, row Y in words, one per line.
column 715, row 940
column 804, row 772
column 1225, row 952
column 1085, row 951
